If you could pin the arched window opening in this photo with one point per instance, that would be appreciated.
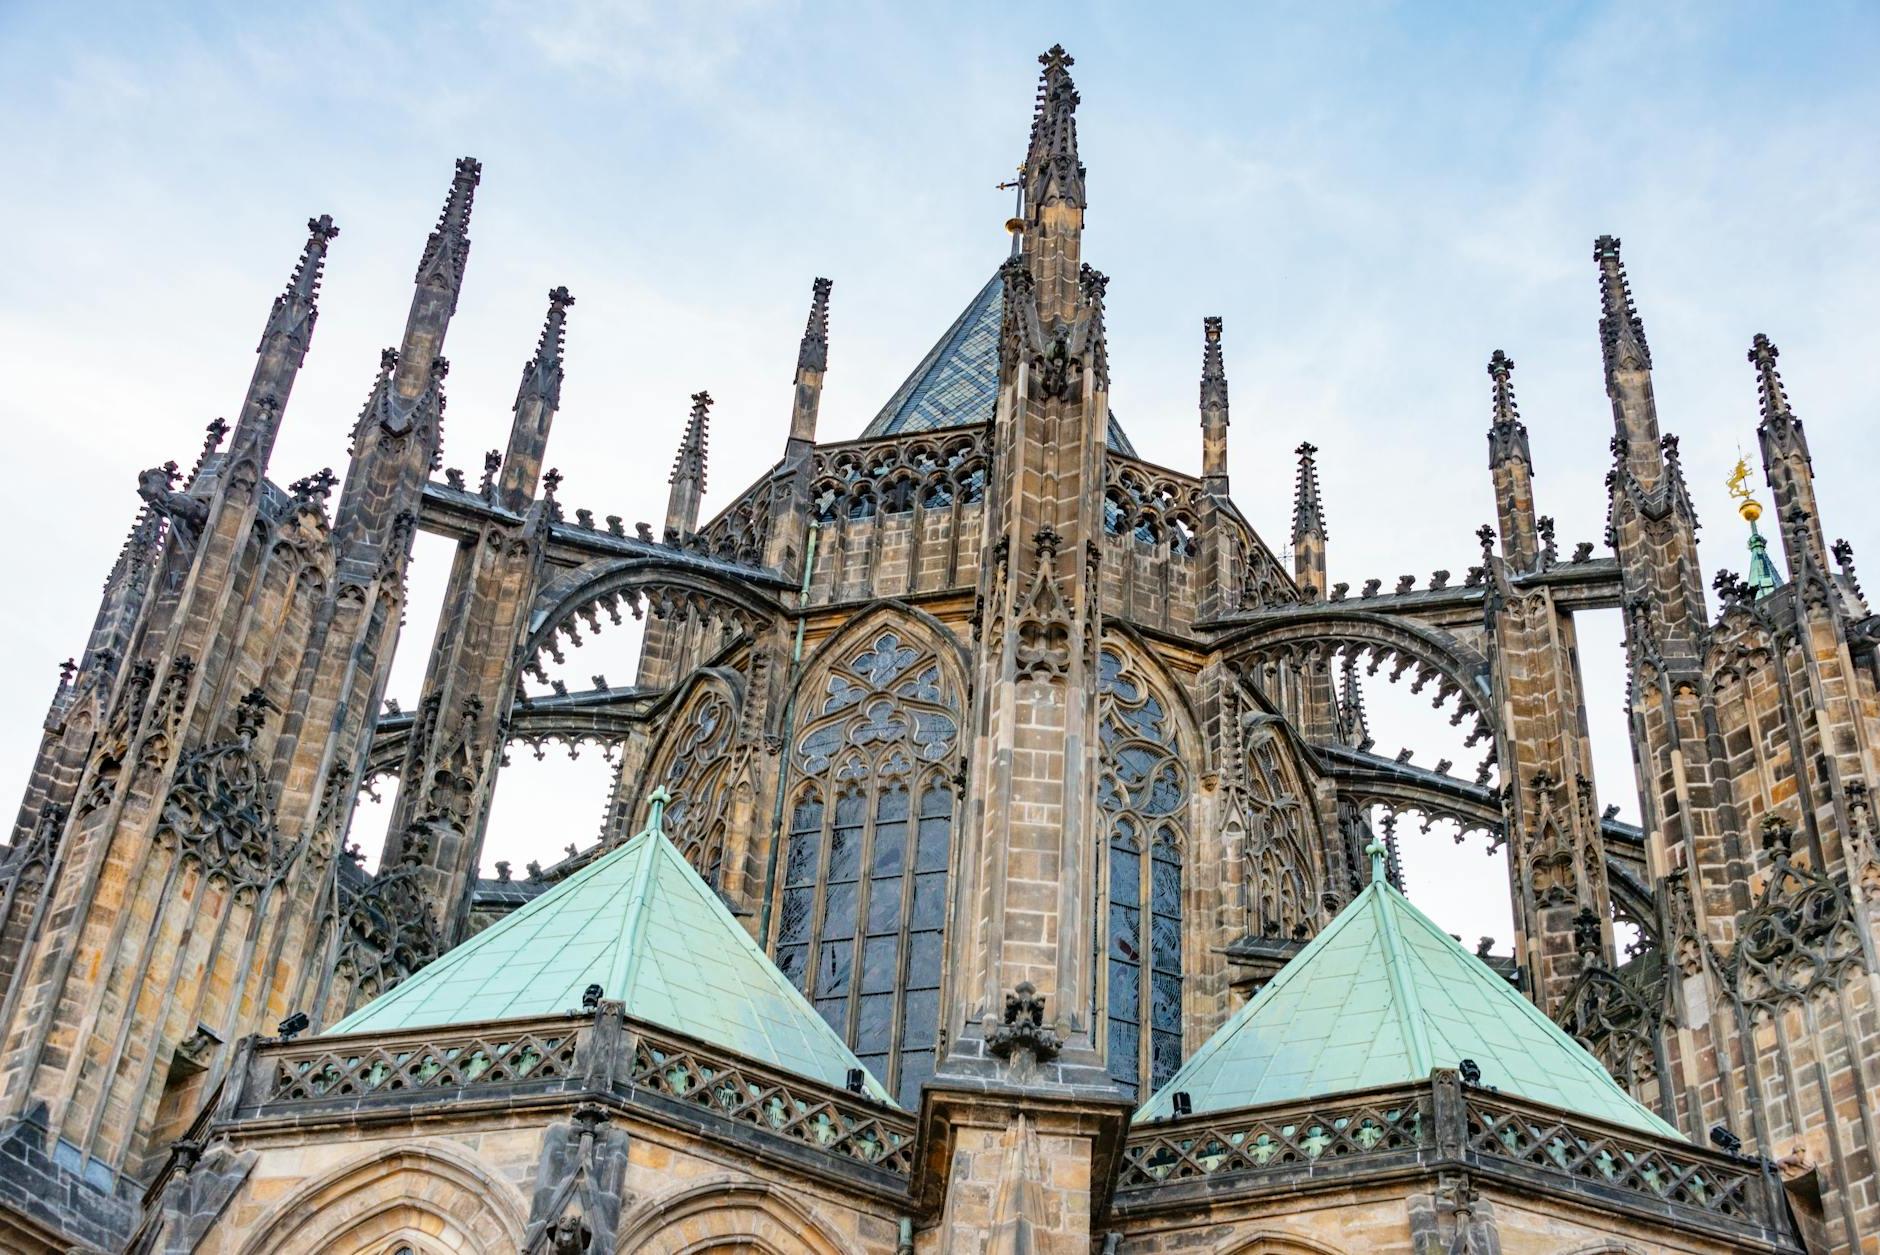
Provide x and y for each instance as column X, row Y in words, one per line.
column 1114, row 514
column 939, row 495
column 697, row 763
column 898, row 497
column 1181, row 538
column 863, row 906
column 1142, row 792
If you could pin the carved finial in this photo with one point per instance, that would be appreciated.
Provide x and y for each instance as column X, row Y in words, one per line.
column 656, row 809
column 378, row 402
column 1587, row 941
column 1507, row 435
column 1486, row 535
column 1052, row 167
column 492, row 463
column 448, row 248
column 1621, row 333
column 551, row 482
column 689, row 464
column 1308, row 509
column 315, row 488
column 298, row 307
column 1774, row 401
column 541, row 374
column 249, row 713
column 813, row 353
column 1213, row 375
column 211, row 441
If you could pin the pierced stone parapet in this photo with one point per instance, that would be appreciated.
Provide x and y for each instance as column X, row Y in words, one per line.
column 1445, row 1125
column 774, row 1103
column 577, row 1058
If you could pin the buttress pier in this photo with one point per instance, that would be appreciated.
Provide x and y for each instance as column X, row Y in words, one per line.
column 998, row 855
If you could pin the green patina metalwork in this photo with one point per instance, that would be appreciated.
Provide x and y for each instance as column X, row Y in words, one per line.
column 1382, row 997
column 640, row 923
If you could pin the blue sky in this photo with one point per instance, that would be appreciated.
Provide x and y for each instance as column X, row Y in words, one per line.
column 1373, row 196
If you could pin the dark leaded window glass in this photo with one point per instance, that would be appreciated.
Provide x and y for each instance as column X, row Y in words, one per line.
column 866, row 876
column 1142, row 791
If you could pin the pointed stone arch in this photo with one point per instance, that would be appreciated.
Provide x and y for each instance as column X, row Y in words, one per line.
column 671, row 584
column 1275, row 1243
column 888, row 610
column 1316, row 634
column 435, row 1189
column 872, row 761
column 1147, row 793
column 1179, row 693
column 700, row 760
column 728, row 1216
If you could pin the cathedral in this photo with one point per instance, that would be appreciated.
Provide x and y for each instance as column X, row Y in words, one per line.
column 997, row 859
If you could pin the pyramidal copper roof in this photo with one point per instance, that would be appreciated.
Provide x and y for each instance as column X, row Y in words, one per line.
column 1382, row 997
column 641, row 924
column 957, row 383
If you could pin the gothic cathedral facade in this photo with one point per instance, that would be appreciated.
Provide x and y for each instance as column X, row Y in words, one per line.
column 1021, row 764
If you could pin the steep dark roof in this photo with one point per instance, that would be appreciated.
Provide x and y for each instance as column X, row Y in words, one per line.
column 957, row 383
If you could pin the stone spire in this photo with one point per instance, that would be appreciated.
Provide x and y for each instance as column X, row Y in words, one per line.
column 1354, row 728
column 1308, row 534
column 1628, row 362
column 448, row 248
column 283, row 347
column 1052, row 167
column 1786, row 463
column 538, row 397
column 1053, row 221
column 1213, row 410
column 398, row 440
column 688, row 471
column 812, row 360
column 1512, row 467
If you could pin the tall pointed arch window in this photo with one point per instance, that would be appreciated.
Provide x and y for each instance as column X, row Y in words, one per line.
column 1281, row 880
column 870, row 829
column 695, row 776
column 1142, row 792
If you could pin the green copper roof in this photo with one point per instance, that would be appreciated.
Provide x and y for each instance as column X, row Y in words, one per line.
column 641, row 924
column 957, row 383
column 1762, row 571
column 1382, row 997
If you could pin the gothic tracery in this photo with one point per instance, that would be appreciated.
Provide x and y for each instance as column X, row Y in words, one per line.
column 861, row 915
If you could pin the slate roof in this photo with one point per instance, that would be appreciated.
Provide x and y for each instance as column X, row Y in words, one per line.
column 957, row 383
column 641, row 924
column 1382, row 997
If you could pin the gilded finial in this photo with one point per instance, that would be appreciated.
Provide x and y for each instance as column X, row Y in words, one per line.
column 1738, row 487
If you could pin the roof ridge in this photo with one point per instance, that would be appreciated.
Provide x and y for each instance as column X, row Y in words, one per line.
column 1533, row 1013
column 1331, row 1023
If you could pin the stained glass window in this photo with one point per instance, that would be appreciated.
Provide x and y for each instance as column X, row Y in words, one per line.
column 1142, row 792
column 862, row 906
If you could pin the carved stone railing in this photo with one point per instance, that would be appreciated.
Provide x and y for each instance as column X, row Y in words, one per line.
column 574, row 1057
column 1442, row 1124
column 528, row 1053
column 1652, row 1168
column 1278, row 1140
column 775, row 1102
